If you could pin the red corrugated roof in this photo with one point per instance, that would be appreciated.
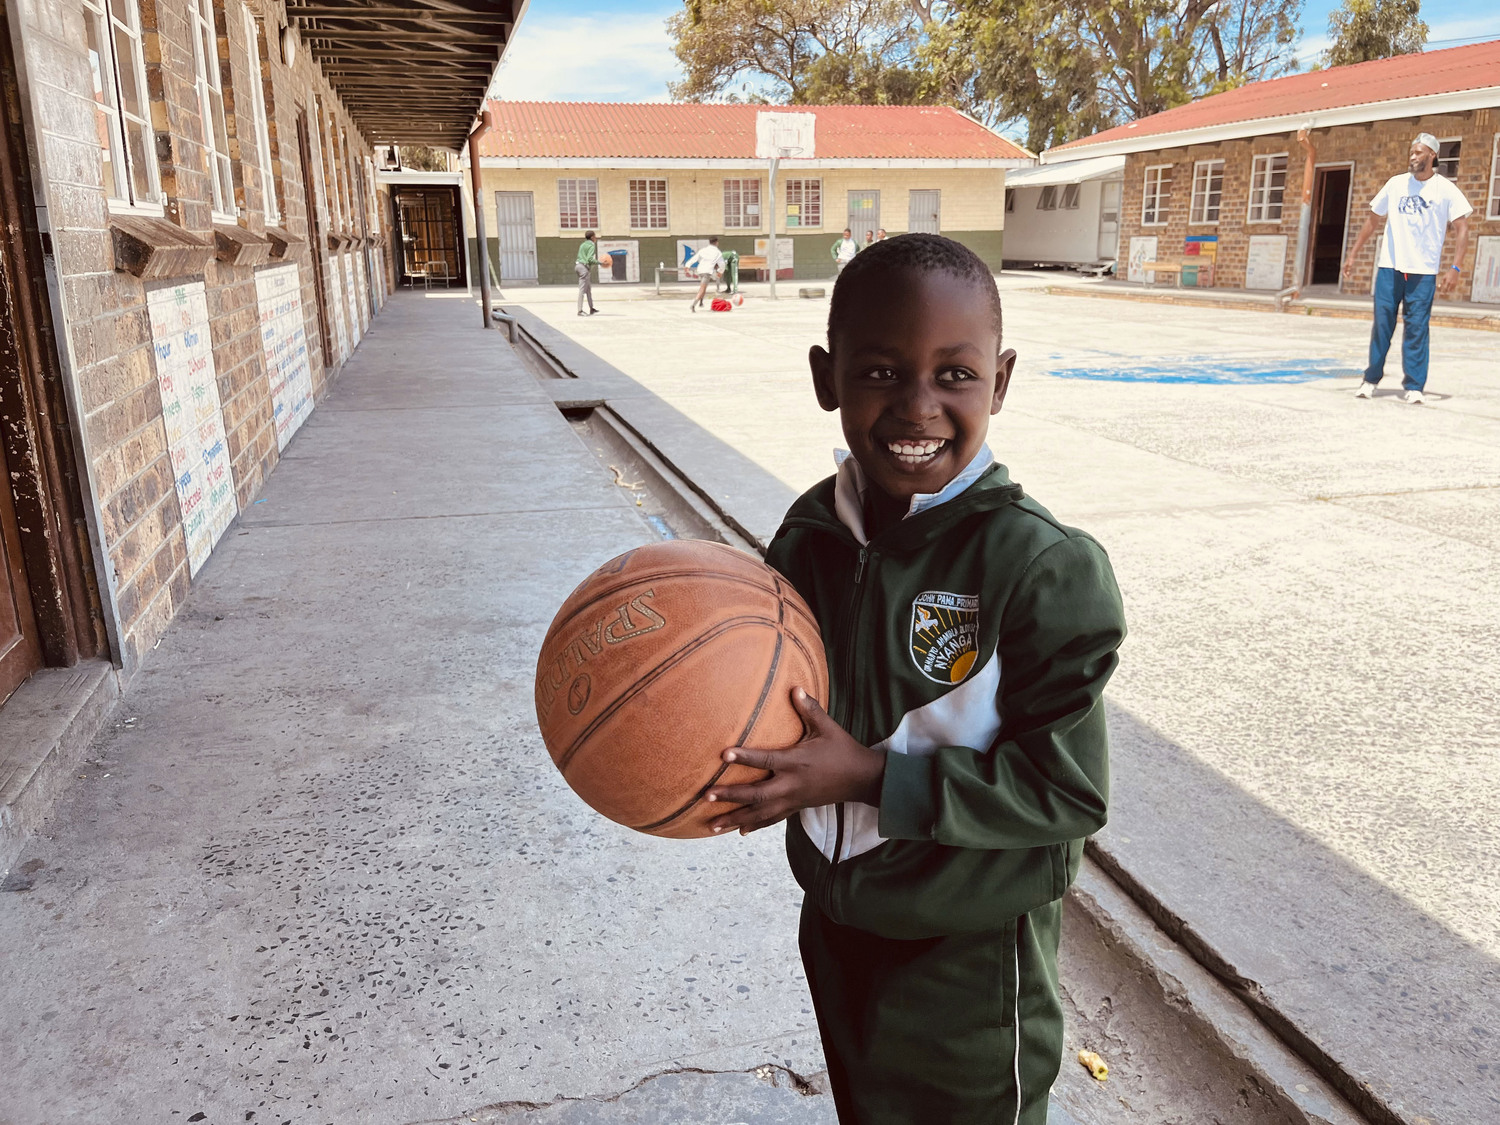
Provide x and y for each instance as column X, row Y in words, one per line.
column 690, row 130
column 1450, row 71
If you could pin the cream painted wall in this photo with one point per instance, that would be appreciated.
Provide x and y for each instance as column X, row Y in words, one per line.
column 973, row 199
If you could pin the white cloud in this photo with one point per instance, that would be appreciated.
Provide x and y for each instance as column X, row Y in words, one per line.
column 607, row 58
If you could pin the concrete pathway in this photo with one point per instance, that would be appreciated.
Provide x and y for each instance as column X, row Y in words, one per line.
column 1306, row 720
column 321, row 868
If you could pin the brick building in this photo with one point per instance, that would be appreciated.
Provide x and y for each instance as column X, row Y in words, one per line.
column 192, row 243
column 1229, row 173
column 658, row 180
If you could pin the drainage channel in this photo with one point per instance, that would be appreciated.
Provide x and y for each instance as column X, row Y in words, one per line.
column 669, row 503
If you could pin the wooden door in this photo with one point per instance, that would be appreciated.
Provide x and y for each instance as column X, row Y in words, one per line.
column 20, row 647
column 315, row 238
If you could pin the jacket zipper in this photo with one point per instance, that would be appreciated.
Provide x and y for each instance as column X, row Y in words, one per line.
column 843, row 719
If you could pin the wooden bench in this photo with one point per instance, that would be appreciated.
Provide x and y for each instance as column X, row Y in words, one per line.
column 1157, row 268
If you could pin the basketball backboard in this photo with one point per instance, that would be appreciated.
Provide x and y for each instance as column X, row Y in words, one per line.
column 784, row 135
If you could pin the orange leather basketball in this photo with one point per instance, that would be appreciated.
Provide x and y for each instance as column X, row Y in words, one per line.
column 659, row 661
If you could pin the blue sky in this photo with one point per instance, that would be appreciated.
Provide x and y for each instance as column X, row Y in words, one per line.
column 579, row 50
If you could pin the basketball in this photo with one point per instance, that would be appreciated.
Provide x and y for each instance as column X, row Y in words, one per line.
column 661, row 660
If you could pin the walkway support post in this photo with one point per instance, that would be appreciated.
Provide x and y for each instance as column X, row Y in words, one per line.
column 479, row 235
column 1304, row 218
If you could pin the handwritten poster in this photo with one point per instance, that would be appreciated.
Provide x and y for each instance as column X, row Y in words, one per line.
column 336, row 305
column 1487, row 271
column 283, row 338
column 1265, row 261
column 1142, row 250
column 351, row 300
column 632, row 249
column 192, row 415
column 362, row 286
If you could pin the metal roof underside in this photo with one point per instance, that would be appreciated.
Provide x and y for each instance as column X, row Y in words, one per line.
column 408, row 71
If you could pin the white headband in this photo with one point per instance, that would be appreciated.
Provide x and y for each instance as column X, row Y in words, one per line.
column 1426, row 139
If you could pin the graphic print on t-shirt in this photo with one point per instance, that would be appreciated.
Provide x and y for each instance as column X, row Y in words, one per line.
column 944, row 634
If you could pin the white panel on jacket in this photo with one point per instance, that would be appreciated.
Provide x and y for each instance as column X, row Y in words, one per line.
column 969, row 715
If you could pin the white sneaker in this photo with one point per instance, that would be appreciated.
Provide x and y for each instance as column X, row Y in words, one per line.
column 1366, row 389
column 1415, row 398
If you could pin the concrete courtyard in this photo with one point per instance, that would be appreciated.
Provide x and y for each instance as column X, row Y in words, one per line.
column 1306, row 718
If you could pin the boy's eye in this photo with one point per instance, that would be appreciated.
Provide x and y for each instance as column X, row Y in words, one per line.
column 881, row 374
column 956, row 375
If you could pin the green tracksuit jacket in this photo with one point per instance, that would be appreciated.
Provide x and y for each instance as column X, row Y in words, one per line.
column 972, row 642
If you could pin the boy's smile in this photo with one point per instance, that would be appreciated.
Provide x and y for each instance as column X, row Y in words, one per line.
column 915, row 373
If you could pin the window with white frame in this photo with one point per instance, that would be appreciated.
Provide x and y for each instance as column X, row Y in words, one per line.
column 1070, row 196
column 211, row 103
column 1493, row 210
column 742, row 203
column 258, row 111
column 1267, row 187
column 1010, row 200
column 1447, row 159
column 804, row 203
column 1155, row 195
column 578, row 204
column 648, row 204
column 1208, row 191
column 1047, row 201
column 112, row 30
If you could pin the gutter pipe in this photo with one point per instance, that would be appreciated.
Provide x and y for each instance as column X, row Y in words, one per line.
column 480, row 129
column 1304, row 219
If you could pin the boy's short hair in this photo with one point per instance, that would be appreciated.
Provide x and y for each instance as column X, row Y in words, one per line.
column 714, row 241
column 588, row 236
column 925, row 253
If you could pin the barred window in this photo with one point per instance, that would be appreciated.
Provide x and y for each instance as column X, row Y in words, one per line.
column 578, row 204
column 804, row 203
column 648, row 204
column 258, row 112
column 742, row 203
column 1493, row 210
column 112, row 29
column 1047, row 201
column 210, row 85
column 1155, row 195
column 1208, row 191
column 1267, row 187
column 1447, row 158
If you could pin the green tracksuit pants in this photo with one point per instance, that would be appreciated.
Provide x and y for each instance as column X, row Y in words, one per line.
column 939, row 1031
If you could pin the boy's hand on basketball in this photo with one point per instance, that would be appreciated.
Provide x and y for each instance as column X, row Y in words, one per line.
column 826, row 767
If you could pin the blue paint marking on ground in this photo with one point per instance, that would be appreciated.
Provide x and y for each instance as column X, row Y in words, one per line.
column 1209, row 369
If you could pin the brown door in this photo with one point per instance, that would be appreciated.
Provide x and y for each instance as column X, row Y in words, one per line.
column 315, row 237
column 1330, row 219
column 20, row 648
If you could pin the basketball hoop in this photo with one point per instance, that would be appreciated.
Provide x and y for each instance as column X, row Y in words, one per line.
column 778, row 137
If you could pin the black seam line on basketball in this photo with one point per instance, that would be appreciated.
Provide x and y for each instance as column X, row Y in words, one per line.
column 765, row 690
column 670, row 661
column 698, row 796
column 647, row 580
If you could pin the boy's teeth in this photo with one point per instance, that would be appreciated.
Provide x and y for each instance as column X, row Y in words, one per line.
column 915, row 451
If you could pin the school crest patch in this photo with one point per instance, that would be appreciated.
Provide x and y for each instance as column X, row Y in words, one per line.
column 945, row 635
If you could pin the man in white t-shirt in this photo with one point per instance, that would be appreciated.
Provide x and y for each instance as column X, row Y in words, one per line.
column 708, row 263
column 1418, row 207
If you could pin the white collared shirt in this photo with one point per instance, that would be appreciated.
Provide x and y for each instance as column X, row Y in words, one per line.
column 850, row 488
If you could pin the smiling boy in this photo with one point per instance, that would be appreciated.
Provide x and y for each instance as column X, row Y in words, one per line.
column 938, row 808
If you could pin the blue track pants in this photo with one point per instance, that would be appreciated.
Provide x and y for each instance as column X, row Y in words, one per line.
column 1412, row 293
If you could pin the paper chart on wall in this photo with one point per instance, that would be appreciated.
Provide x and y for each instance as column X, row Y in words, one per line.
column 1265, row 261
column 336, row 305
column 192, row 415
column 283, row 338
column 1487, row 271
column 351, row 301
column 362, row 286
column 1142, row 250
column 632, row 249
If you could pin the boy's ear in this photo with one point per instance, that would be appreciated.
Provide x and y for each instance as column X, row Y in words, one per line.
column 822, row 372
column 1005, row 365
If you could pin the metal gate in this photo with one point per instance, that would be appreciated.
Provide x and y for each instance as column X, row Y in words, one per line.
column 864, row 214
column 924, row 212
column 515, row 216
